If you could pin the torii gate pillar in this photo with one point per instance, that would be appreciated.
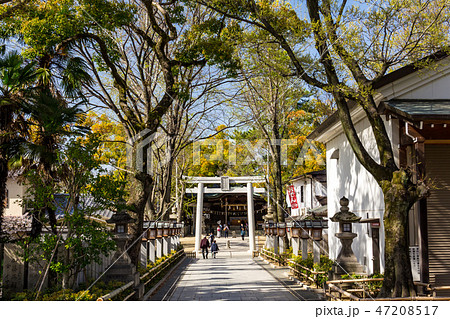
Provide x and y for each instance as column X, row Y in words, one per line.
column 198, row 217
column 251, row 217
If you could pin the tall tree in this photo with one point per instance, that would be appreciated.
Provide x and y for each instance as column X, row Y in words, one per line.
column 355, row 47
column 50, row 121
column 143, row 83
column 184, row 124
column 16, row 80
column 270, row 99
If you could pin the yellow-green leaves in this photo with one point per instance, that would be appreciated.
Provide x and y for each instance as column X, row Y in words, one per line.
column 44, row 24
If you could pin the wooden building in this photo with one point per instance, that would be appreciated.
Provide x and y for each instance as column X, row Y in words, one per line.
column 416, row 108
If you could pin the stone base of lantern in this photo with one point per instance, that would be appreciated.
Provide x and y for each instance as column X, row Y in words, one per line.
column 159, row 247
column 281, row 248
column 122, row 270
column 304, row 248
column 151, row 250
column 346, row 259
column 295, row 245
column 144, row 254
column 166, row 245
column 316, row 251
column 275, row 244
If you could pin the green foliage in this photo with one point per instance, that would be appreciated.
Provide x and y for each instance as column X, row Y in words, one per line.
column 61, row 295
column 324, row 266
column 212, row 39
column 80, row 175
column 15, row 75
column 372, row 287
column 99, row 289
column 42, row 25
column 84, row 243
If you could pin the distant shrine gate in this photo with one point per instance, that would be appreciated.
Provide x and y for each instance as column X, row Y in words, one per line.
column 225, row 187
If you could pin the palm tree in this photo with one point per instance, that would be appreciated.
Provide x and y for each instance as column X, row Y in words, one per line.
column 50, row 119
column 35, row 97
column 52, row 112
column 16, row 86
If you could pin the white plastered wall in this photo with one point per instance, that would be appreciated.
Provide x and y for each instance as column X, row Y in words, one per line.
column 15, row 196
column 347, row 177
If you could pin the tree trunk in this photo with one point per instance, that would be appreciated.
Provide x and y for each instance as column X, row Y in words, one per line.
column 399, row 196
column 180, row 202
column 140, row 188
column 166, row 189
column 65, row 284
column 279, row 198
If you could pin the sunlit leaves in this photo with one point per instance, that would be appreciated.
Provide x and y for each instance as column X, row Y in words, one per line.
column 44, row 24
column 111, row 151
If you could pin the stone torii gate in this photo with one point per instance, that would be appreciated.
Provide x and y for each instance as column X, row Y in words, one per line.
column 225, row 182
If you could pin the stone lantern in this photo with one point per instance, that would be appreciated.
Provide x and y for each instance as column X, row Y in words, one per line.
column 281, row 229
column 270, row 214
column 160, row 229
column 295, row 229
column 346, row 257
column 166, row 239
column 317, row 226
column 270, row 228
column 121, row 220
column 151, row 244
column 166, row 229
column 295, row 236
column 304, row 230
column 151, row 232
column 123, row 269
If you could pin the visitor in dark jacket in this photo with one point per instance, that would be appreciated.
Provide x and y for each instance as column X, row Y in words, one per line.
column 204, row 245
column 214, row 249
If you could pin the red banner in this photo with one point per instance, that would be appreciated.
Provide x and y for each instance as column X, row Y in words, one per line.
column 292, row 197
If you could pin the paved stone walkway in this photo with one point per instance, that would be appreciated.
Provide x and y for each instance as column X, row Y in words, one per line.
column 228, row 279
column 233, row 275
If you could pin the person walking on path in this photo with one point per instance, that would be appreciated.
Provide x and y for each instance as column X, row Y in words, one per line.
column 214, row 249
column 204, row 245
column 225, row 231
column 211, row 238
column 219, row 229
column 242, row 231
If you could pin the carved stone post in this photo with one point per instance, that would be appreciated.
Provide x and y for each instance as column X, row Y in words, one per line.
column 346, row 258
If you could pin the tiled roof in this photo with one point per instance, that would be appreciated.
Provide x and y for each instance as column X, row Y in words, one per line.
column 420, row 109
column 15, row 224
column 87, row 203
